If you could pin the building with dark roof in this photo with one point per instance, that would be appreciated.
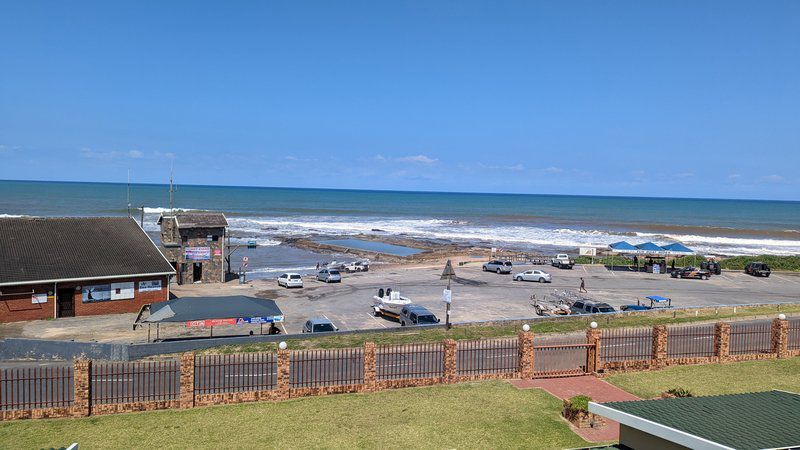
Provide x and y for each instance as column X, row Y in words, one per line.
column 73, row 266
column 757, row 420
column 194, row 243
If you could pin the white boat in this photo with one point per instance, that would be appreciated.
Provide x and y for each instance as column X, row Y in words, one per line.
column 390, row 301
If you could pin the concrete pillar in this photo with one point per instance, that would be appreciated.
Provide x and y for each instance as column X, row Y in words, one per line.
column 370, row 367
column 722, row 340
column 187, row 381
column 283, row 374
column 593, row 364
column 526, row 352
column 450, row 361
column 780, row 338
column 659, row 345
column 81, row 384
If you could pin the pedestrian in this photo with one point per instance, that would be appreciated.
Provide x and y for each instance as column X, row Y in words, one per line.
column 583, row 286
column 317, row 266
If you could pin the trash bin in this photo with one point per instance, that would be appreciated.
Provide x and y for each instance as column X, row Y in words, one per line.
column 241, row 278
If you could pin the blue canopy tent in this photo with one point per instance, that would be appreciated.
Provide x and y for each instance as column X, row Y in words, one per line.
column 678, row 249
column 649, row 247
column 623, row 247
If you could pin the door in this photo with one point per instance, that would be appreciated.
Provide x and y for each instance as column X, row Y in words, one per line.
column 197, row 272
column 65, row 299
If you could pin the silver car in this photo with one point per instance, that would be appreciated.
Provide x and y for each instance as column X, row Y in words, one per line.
column 319, row 325
column 497, row 266
column 329, row 276
column 533, row 275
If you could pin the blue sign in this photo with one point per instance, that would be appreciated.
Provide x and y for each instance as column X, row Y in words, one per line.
column 258, row 320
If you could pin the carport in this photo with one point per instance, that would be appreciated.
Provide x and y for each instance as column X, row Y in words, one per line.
column 214, row 311
column 654, row 254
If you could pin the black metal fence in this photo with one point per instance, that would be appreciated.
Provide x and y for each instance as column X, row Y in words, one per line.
column 487, row 356
column 396, row 362
column 794, row 334
column 36, row 387
column 749, row 338
column 626, row 344
column 690, row 341
column 317, row 368
column 215, row 374
column 128, row 382
column 559, row 356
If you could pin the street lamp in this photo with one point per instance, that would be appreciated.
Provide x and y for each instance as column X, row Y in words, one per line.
column 593, row 325
column 782, row 316
column 526, row 328
column 282, row 345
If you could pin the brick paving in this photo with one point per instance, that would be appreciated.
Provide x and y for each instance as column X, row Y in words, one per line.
column 599, row 391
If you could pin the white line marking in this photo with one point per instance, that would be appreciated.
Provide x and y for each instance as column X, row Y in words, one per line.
column 380, row 322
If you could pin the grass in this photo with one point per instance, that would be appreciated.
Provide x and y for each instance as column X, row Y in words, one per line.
column 714, row 379
column 478, row 331
column 472, row 415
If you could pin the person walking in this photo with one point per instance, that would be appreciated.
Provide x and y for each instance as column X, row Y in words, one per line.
column 583, row 286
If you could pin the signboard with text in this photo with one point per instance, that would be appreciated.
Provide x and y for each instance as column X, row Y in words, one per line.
column 149, row 285
column 234, row 321
column 198, row 253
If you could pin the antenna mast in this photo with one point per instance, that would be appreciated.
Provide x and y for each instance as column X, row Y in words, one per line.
column 129, row 193
column 171, row 209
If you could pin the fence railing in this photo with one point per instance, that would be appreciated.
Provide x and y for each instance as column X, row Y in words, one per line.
column 397, row 362
column 317, row 368
column 694, row 341
column 35, row 387
column 487, row 356
column 116, row 387
column 129, row 382
column 747, row 338
column 626, row 344
column 216, row 374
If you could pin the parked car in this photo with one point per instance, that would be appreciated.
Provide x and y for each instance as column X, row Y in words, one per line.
column 562, row 261
column 690, row 272
column 319, row 325
column 757, row 269
column 712, row 267
column 329, row 276
column 498, row 266
column 590, row 307
column 417, row 315
column 357, row 266
column 533, row 275
column 290, row 280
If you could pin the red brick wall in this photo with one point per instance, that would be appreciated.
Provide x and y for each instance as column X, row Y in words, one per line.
column 19, row 308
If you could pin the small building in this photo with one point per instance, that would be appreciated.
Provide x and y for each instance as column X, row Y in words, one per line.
column 194, row 243
column 77, row 266
column 756, row 420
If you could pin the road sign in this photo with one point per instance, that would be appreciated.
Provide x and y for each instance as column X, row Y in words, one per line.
column 245, row 259
column 447, row 296
column 448, row 271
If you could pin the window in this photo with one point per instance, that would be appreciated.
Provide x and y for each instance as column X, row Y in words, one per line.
column 184, row 239
column 578, row 305
column 215, row 238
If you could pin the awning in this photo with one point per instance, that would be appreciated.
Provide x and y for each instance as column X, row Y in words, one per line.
column 649, row 247
column 678, row 249
column 622, row 247
column 658, row 299
column 214, row 311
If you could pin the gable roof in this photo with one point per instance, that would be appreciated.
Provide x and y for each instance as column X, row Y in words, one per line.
column 51, row 249
column 206, row 219
column 743, row 421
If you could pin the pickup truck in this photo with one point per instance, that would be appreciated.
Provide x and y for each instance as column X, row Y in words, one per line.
column 357, row 266
column 562, row 261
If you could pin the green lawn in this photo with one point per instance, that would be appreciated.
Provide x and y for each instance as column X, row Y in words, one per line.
column 713, row 379
column 561, row 325
column 471, row 415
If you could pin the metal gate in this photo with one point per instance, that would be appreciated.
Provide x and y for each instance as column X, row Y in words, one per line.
column 560, row 360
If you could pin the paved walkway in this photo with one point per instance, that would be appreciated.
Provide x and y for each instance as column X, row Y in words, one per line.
column 597, row 389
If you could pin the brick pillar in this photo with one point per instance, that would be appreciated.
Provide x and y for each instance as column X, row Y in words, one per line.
column 593, row 363
column 187, row 381
column 370, row 367
column 526, row 355
column 283, row 375
column 722, row 340
column 780, row 338
column 81, row 384
column 450, row 362
column 659, row 345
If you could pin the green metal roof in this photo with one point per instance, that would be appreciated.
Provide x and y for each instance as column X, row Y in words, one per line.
column 743, row 421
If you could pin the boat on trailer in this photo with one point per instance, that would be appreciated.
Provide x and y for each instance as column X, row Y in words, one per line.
column 389, row 303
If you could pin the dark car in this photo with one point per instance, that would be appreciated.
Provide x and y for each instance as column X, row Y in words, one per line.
column 417, row 315
column 757, row 269
column 712, row 267
column 691, row 272
column 590, row 307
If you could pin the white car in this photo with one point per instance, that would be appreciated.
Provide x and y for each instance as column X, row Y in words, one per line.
column 533, row 275
column 290, row 280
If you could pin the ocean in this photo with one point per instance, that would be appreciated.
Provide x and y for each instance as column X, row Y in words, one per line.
column 511, row 221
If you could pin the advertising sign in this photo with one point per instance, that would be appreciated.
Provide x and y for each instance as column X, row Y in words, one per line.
column 198, row 253
column 587, row 251
column 217, row 252
column 122, row 291
column 210, row 322
column 39, row 298
column 97, row 293
column 447, row 296
column 149, row 285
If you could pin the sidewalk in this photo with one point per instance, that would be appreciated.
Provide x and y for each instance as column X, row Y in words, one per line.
column 599, row 391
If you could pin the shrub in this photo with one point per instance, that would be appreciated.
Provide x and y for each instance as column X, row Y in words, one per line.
column 680, row 393
column 575, row 406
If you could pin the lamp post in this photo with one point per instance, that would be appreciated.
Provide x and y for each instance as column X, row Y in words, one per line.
column 447, row 274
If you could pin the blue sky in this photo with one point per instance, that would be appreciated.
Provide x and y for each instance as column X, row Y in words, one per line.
column 655, row 98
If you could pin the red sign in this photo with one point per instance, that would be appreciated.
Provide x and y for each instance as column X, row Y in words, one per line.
column 217, row 252
column 210, row 322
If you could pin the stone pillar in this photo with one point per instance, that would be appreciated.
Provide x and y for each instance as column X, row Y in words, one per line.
column 593, row 364
column 81, row 385
column 722, row 340
column 187, row 381
column 659, row 345
column 370, row 367
column 283, row 375
column 450, row 361
column 526, row 354
column 780, row 338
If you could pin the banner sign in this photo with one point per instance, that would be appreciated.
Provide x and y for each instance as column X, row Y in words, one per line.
column 122, row 291
column 198, row 253
column 97, row 293
column 39, row 298
column 234, row 321
column 149, row 285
